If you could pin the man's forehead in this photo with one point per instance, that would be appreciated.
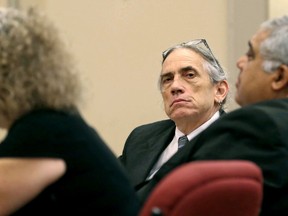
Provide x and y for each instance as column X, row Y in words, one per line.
column 182, row 55
column 258, row 38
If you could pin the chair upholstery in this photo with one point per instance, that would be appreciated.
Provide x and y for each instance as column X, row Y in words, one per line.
column 208, row 188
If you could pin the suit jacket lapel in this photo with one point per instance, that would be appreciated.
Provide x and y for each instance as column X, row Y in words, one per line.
column 150, row 153
column 153, row 148
column 181, row 157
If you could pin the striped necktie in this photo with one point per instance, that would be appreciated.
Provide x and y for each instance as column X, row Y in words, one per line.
column 182, row 141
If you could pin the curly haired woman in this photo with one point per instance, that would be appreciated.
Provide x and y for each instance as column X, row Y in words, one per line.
column 51, row 161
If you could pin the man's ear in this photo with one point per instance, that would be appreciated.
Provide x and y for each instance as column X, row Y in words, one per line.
column 222, row 89
column 280, row 78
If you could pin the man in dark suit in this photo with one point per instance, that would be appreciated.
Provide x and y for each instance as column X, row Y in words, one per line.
column 258, row 131
column 194, row 87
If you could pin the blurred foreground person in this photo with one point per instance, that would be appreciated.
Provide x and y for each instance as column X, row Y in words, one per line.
column 51, row 161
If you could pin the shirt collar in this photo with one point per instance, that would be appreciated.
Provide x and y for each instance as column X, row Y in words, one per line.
column 198, row 130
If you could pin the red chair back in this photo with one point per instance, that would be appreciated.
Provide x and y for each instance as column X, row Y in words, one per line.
column 208, row 188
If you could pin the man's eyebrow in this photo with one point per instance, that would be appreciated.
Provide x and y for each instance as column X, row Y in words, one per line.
column 182, row 70
column 165, row 74
column 188, row 68
column 250, row 46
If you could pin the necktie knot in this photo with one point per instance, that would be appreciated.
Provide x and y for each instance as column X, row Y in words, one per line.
column 182, row 141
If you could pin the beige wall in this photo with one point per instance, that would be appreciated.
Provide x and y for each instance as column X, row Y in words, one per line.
column 2, row 3
column 278, row 8
column 244, row 18
column 118, row 45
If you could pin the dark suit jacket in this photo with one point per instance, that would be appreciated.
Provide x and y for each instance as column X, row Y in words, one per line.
column 143, row 148
column 258, row 133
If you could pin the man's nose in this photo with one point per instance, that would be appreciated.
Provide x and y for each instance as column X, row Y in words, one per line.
column 241, row 62
column 177, row 86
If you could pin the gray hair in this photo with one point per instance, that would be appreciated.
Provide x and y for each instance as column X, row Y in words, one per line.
column 274, row 48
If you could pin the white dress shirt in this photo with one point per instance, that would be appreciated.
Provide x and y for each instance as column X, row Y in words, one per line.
column 172, row 148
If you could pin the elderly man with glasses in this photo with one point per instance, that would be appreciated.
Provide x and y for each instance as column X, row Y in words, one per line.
column 258, row 131
column 194, row 88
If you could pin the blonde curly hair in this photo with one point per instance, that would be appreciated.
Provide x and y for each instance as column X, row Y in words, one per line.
column 36, row 71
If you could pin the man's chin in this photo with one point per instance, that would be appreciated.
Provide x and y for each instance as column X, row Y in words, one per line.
column 239, row 101
column 180, row 115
